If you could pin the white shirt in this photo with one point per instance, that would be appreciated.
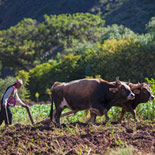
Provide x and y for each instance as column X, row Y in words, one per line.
column 7, row 95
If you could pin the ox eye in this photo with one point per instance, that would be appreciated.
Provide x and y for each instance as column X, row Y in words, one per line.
column 122, row 87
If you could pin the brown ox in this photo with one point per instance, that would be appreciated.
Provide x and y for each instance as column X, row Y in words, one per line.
column 142, row 93
column 90, row 94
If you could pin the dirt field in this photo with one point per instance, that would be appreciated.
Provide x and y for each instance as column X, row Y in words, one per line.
column 78, row 138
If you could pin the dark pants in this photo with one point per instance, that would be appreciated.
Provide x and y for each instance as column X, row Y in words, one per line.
column 3, row 116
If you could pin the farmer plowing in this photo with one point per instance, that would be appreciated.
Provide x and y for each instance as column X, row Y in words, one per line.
column 10, row 98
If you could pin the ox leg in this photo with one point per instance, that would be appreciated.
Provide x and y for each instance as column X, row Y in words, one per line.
column 92, row 117
column 106, row 117
column 57, row 116
column 122, row 115
column 131, row 110
column 134, row 115
column 100, row 110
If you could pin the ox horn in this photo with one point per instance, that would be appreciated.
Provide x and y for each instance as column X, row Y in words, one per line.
column 135, row 86
column 117, row 78
column 117, row 81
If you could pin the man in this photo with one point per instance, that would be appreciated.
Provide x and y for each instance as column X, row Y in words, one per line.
column 10, row 98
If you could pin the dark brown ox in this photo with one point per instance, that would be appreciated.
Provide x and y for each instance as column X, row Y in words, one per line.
column 90, row 94
column 142, row 93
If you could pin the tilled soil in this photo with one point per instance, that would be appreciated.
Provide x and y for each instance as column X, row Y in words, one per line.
column 78, row 138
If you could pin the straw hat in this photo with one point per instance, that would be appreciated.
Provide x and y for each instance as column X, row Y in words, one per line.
column 19, row 81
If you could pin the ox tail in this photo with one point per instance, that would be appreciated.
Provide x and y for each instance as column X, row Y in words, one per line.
column 51, row 111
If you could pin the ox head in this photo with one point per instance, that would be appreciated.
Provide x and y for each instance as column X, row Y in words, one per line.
column 144, row 90
column 123, row 89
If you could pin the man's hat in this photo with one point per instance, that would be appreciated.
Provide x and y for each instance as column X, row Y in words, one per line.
column 19, row 81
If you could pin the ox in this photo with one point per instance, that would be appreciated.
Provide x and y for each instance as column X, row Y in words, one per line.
column 142, row 93
column 87, row 94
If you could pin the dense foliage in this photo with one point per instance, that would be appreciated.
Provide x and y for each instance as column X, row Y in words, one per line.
column 67, row 47
column 29, row 43
column 128, row 58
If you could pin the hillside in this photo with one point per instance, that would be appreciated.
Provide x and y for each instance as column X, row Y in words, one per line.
column 134, row 14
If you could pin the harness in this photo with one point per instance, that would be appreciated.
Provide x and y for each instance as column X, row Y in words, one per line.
column 12, row 98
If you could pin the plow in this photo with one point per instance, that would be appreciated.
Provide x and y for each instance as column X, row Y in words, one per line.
column 47, row 120
column 29, row 114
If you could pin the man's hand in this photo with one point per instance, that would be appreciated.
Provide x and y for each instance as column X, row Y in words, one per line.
column 24, row 105
column 29, row 113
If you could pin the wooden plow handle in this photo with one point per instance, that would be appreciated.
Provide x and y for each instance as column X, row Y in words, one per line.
column 29, row 113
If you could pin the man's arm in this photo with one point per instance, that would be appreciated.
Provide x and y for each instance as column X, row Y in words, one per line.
column 20, row 101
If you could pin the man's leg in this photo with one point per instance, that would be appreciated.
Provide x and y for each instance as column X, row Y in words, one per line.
column 2, row 115
column 9, row 116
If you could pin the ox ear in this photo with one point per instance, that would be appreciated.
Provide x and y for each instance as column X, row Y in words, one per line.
column 135, row 86
column 139, row 85
column 114, row 90
column 136, row 91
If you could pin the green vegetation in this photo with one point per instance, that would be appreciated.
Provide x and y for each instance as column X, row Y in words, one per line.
column 76, row 46
column 39, row 112
column 123, row 151
column 29, row 43
column 68, row 47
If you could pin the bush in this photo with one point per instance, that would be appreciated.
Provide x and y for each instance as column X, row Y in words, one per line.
column 116, row 32
column 128, row 58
